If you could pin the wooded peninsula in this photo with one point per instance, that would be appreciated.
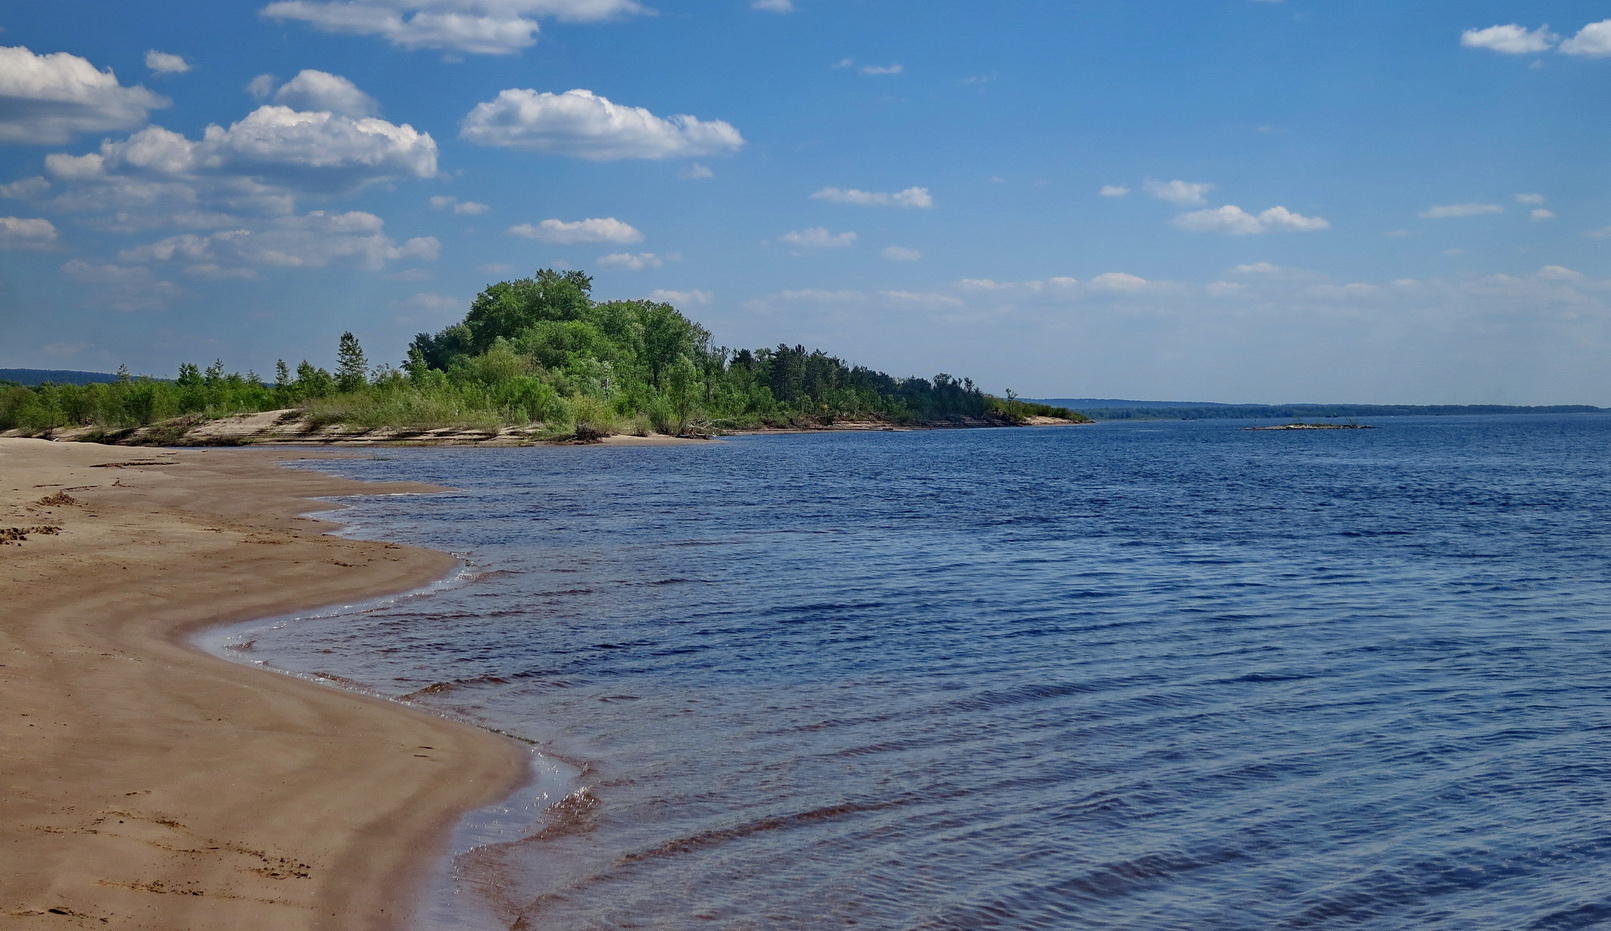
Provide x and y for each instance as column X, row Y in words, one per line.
column 538, row 355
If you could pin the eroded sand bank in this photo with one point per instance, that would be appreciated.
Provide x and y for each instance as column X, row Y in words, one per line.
column 146, row 785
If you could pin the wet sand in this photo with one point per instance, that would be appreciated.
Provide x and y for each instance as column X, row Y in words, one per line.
column 144, row 784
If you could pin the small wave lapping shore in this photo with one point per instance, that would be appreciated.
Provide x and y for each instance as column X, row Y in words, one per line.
column 148, row 785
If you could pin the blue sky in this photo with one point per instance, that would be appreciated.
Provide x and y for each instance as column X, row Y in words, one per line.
column 1229, row 200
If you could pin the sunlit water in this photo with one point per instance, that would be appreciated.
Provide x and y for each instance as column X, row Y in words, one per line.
column 1148, row 676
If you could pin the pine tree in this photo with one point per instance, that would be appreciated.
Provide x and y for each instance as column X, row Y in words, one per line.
column 352, row 369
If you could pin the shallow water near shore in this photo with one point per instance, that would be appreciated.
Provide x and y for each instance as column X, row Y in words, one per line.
column 1161, row 675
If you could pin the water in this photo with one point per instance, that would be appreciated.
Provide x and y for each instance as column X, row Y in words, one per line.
column 1162, row 676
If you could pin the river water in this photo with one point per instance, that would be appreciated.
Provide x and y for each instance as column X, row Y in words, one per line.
column 1131, row 675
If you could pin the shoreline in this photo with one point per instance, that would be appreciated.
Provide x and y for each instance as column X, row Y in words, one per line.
column 148, row 784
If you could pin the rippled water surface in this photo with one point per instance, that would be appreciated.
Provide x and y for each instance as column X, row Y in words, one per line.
column 1146, row 676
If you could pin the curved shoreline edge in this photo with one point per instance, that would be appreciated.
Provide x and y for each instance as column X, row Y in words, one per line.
column 147, row 784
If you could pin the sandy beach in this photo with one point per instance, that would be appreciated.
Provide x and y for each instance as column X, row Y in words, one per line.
column 144, row 784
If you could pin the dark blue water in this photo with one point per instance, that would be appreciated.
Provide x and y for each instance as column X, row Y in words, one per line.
column 1159, row 676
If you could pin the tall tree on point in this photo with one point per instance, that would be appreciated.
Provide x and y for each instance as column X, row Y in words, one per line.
column 352, row 369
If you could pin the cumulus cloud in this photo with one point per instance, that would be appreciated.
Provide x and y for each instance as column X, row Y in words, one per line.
column 164, row 63
column 1179, row 192
column 901, row 254
column 696, row 172
column 818, row 237
column 1512, row 39
column 1446, row 211
column 24, row 233
column 314, row 240
column 1113, row 190
column 917, row 197
column 273, row 145
column 1529, row 198
column 1234, row 221
column 596, row 229
column 685, row 298
column 632, row 261
column 581, row 124
column 48, row 99
column 773, row 6
column 313, row 90
column 1592, row 41
column 461, row 207
column 1539, row 214
column 477, row 27
column 882, row 69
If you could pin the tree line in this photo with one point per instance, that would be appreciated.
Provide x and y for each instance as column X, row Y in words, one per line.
column 538, row 350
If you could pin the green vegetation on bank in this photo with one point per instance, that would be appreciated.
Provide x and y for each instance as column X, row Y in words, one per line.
column 539, row 351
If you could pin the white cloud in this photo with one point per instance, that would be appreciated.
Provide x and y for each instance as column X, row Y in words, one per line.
column 1179, row 192
column 231, row 177
column 164, row 63
column 820, row 296
column 314, row 90
column 595, row 229
column 818, row 237
column 1592, row 41
column 124, row 288
column 632, row 261
column 1513, row 39
column 1113, row 190
column 1119, row 281
column 213, row 272
column 1539, row 214
column 47, row 99
column 1234, row 221
column 25, row 189
column 1224, row 288
column 1446, row 211
column 844, row 63
column 901, row 254
column 921, row 298
column 262, row 86
column 696, row 172
column 1529, row 198
column 685, row 298
column 479, row 27
column 882, row 69
column 461, row 207
column 430, row 301
column 1559, row 273
column 22, row 233
column 773, row 6
column 315, row 240
column 1257, row 268
column 917, row 197
column 581, row 124
column 275, row 145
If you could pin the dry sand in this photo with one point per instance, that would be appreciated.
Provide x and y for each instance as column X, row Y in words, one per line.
column 144, row 784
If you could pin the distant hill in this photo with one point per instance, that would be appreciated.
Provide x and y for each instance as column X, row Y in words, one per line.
column 1113, row 409
column 56, row 376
